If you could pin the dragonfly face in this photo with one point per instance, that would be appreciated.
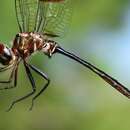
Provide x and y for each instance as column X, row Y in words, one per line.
column 39, row 21
column 6, row 56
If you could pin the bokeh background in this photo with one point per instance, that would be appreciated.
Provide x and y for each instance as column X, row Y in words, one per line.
column 76, row 99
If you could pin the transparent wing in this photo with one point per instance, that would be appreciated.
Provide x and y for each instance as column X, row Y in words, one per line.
column 26, row 13
column 43, row 16
column 55, row 16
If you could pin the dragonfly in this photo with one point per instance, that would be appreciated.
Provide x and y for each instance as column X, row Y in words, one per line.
column 39, row 22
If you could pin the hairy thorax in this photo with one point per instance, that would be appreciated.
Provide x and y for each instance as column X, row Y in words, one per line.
column 26, row 43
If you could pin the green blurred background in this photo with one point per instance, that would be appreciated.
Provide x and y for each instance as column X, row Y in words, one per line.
column 76, row 99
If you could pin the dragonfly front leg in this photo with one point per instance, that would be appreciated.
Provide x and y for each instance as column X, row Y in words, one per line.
column 13, row 77
column 32, row 83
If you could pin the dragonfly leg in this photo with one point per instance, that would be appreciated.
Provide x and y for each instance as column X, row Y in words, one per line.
column 43, row 75
column 5, row 68
column 13, row 77
column 31, row 79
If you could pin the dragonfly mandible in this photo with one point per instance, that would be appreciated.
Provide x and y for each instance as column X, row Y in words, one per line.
column 40, row 21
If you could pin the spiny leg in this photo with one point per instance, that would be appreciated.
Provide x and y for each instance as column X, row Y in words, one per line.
column 5, row 68
column 31, row 79
column 43, row 75
column 13, row 75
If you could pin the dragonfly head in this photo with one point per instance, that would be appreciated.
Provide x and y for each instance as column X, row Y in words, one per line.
column 6, row 56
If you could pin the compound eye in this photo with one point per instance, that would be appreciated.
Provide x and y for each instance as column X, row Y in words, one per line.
column 1, row 48
column 17, row 35
column 16, row 40
column 5, row 55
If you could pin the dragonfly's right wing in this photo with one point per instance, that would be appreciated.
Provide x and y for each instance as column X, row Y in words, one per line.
column 54, row 16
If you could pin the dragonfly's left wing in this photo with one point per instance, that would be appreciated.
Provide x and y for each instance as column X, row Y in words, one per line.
column 26, row 13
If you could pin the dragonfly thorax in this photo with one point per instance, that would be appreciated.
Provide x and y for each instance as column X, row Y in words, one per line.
column 27, row 43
